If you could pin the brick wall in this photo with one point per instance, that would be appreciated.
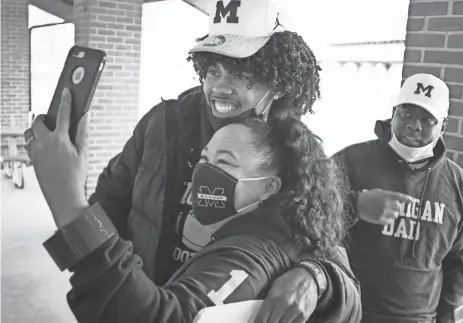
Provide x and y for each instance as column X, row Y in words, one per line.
column 115, row 27
column 14, row 64
column 434, row 44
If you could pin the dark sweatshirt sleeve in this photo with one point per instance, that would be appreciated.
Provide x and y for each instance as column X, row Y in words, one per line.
column 450, row 307
column 115, row 184
column 341, row 302
column 109, row 285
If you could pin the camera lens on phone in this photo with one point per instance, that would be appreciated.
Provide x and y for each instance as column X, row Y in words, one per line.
column 78, row 75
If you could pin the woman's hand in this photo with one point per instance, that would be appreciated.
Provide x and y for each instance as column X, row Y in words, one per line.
column 291, row 299
column 60, row 167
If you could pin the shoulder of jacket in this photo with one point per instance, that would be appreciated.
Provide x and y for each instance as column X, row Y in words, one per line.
column 192, row 100
column 358, row 151
column 193, row 91
column 185, row 99
column 241, row 240
column 263, row 249
column 153, row 118
column 194, row 94
column 186, row 104
column 453, row 167
column 153, row 123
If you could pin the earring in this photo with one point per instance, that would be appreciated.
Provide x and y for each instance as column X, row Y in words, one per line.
column 275, row 97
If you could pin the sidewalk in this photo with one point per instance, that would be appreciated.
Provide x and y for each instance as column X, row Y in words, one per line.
column 33, row 289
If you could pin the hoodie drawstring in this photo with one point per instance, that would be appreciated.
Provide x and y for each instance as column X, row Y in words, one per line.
column 419, row 211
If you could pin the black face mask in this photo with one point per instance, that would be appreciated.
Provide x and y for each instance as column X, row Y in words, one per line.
column 213, row 193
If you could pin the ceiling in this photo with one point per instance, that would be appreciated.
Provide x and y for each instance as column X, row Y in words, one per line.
column 63, row 8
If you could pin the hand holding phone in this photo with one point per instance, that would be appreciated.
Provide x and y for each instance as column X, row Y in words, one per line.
column 81, row 73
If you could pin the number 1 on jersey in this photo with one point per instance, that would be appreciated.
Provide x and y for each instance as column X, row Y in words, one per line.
column 236, row 279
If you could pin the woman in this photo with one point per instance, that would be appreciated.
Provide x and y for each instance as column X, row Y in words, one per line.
column 270, row 197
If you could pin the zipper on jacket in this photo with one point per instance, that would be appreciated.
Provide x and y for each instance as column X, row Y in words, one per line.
column 419, row 212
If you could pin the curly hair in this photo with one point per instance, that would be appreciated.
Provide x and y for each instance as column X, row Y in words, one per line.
column 312, row 194
column 286, row 64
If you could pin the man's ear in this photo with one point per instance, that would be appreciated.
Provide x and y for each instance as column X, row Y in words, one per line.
column 393, row 111
column 444, row 125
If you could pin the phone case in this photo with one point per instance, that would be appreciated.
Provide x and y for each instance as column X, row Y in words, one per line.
column 81, row 73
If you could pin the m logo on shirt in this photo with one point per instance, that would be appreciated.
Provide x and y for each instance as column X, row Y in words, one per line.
column 215, row 198
column 230, row 11
column 427, row 90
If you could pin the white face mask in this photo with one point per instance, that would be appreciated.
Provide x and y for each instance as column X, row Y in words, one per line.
column 412, row 154
column 262, row 113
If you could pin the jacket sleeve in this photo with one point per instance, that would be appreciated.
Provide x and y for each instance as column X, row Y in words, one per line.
column 115, row 184
column 109, row 285
column 344, row 291
column 450, row 307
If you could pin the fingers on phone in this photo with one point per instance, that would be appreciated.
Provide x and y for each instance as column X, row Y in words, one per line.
column 64, row 112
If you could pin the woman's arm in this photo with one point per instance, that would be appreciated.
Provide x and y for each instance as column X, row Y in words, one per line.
column 291, row 296
column 110, row 286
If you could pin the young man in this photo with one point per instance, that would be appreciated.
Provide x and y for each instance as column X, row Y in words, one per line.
column 247, row 67
column 407, row 246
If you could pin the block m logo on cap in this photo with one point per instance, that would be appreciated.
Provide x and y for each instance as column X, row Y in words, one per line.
column 427, row 90
column 238, row 28
column 214, row 199
column 230, row 11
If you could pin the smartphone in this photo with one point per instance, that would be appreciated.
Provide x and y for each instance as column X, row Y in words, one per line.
column 81, row 73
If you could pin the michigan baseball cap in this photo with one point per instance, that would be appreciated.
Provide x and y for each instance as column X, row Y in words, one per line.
column 238, row 28
column 428, row 92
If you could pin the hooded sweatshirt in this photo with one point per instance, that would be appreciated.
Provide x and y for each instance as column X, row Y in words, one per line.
column 411, row 270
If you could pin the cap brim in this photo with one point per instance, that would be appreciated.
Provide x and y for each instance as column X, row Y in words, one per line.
column 423, row 105
column 236, row 46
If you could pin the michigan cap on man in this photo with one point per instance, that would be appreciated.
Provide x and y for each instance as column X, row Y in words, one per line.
column 238, row 28
column 428, row 92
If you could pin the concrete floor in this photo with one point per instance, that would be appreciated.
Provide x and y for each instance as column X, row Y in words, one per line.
column 33, row 289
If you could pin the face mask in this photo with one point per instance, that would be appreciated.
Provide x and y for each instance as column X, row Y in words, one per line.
column 412, row 154
column 262, row 114
column 213, row 192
